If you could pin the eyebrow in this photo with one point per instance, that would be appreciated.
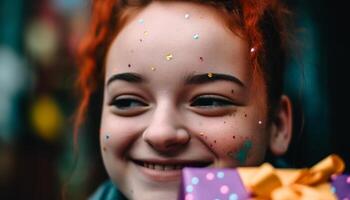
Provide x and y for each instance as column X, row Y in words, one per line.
column 128, row 77
column 210, row 77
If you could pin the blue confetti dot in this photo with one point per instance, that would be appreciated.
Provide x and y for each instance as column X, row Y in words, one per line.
column 189, row 188
column 233, row 196
column 220, row 174
column 195, row 180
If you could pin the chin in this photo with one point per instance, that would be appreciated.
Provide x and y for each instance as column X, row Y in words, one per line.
column 161, row 193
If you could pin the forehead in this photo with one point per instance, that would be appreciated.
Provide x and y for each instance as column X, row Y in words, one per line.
column 193, row 35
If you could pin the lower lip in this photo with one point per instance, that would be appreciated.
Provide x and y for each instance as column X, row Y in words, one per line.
column 160, row 175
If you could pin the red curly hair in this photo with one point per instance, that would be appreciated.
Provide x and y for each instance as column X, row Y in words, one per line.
column 260, row 22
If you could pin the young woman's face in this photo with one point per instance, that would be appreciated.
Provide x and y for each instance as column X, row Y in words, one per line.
column 178, row 93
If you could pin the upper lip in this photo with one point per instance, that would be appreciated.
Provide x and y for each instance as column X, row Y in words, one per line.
column 194, row 163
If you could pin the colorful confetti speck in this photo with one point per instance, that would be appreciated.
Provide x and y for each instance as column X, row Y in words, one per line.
column 196, row 36
column 242, row 154
column 210, row 74
column 169, row 56
column 145, row 33
column 153, row 68
column 252, row 50
column 141, row 21
column 260, row 122
column 187, row 16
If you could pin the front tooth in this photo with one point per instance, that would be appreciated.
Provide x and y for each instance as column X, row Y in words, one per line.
column 150, row 165
column 169, row 167
column 159, row 167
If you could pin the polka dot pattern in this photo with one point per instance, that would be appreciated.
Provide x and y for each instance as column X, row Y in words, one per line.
column 212, row 184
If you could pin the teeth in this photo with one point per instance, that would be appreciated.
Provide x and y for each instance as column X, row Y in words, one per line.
column 162, row 167
column 159, row 167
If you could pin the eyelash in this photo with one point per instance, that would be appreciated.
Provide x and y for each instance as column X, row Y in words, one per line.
column 211, row 102
column 127, row 103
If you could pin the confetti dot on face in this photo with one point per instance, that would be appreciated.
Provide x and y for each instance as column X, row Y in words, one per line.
column 210, row 75
column 189, row 197
column 195, row 180
column 141, row 21
column 189, row 188
column 187, row 16
column 169, row 56
column 252, row 50
column 145, row 33
column 196, row 36
column 224, row 189
column 260, row 122
column 233, row 196
column 220, row 174
column 153, row 68
column 210, row 176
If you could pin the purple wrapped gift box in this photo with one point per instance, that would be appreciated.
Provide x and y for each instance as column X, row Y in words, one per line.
column 211, row 184
column 341, row 186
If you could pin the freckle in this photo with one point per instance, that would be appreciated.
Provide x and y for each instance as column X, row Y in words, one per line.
column 234, row 137
column 224, row 122
column 245, row 115
column 232, row 91
column 129, row 65
column 201, row 58
column 214, row 141
column 140, row 40
column 104, row 149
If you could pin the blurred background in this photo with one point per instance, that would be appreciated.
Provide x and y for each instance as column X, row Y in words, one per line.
column 37, row 98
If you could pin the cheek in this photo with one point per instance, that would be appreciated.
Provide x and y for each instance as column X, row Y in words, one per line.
column 117, row 133
column 237, row 140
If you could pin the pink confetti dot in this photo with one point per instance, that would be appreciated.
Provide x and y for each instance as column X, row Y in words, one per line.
column 224, row 189
column 210, row 176
column 189, row 197
column 348, row 180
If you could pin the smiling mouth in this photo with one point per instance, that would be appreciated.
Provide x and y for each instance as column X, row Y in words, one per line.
column 170, row 166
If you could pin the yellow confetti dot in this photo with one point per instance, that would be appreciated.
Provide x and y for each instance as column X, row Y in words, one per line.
column 145, row 33
column 169, row 56
column 210, row 75
column 153, row 68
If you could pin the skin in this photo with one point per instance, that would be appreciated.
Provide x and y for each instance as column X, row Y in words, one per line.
column 164, row 118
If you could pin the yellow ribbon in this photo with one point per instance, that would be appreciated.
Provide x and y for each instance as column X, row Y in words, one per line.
column 266, row 182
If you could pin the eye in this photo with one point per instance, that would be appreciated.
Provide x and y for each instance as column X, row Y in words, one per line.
column 127, row 103
column 211, row 102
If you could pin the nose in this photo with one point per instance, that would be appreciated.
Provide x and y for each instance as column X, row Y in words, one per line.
column 165, row 132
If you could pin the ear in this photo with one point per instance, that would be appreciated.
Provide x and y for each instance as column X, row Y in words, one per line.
column 281, row 127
